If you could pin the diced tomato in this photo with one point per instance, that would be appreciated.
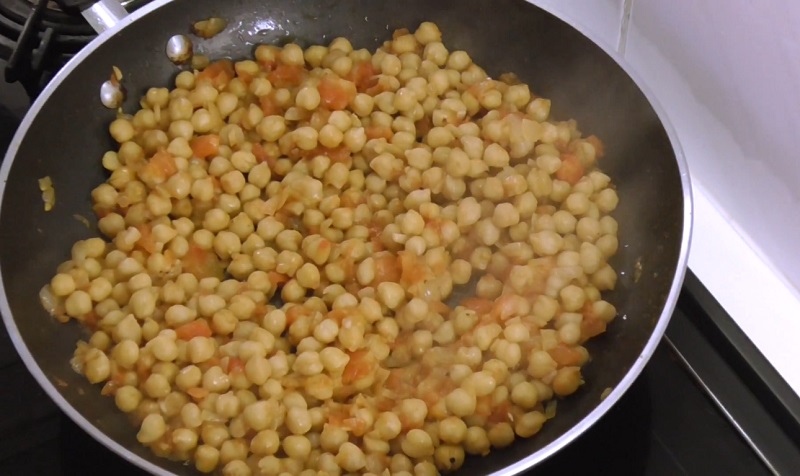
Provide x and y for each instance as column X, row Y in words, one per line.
column 360, row 365
column 565, row 356
column 339, row 154
column 146, row 242
column 205, row 146
column 352, row 200
column 235, row 365
column 218, row 73
column 269, row 107
column 413, row 269
column 590, row 327
column 375, row 230
column 480, row 305
column 571, row 169
column 164, row 162
column 197, row 393
column 363, row 75
column 483, row 406
column 505, row 306
column 356, row 426
column 500, row 412
column 336, row 93
column 387, row 268
column 440, row 307
column 263, row 156
column 142, row 370
column 378, row 132
column 294, row 313
column 190, row 330
column 277, row 278
column 202, row 263
column 599, row 147
column 286, row 75
column 158, row 168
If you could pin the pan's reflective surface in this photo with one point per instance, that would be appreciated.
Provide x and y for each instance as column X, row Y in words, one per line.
column 64, row 137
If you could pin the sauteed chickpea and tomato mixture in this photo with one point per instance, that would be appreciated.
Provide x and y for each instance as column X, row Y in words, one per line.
column 437, row 242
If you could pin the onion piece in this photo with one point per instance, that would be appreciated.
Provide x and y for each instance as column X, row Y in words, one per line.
column 209, row 28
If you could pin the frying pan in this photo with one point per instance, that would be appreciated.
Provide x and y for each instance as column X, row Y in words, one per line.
column 64, row 135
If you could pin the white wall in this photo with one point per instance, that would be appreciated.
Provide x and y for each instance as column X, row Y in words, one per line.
column 728, row 76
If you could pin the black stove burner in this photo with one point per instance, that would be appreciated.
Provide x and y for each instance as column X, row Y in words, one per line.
column 37, row 37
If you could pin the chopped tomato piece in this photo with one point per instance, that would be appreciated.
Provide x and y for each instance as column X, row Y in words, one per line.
column 386, row 269
column 363, row 75
column 351, row 200
column 599, row 147
column 278, row 278
column 218, row 73
column 263, row 156
column 571, row 169
column 506, row 306
column 377, row 132
column 269, row 107
column 479, row 305
column 361, row 364
column 197, row 393
column 190, row 330
column 205, row 146
column 565, row 356
column 142, row 370
column 356, row 426
column 590, row 327
column 336, row 93
column 337, row 154
column 500, row 414
column 483, row 406
column 413, row 269
column 202, row 263
column 235, row 365
column 146, row 242
column 339, row 314
column 286, row 75
column 440, row 307
column 158, row 168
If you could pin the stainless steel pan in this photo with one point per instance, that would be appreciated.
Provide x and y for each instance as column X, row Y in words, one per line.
column 64, row 136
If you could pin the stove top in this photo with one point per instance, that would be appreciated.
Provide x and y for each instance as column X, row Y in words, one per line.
column 37, row 37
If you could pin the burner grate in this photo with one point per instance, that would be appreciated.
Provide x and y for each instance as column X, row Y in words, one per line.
column 37, row 37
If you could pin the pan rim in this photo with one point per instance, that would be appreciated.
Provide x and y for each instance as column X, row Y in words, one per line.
column 515, row 468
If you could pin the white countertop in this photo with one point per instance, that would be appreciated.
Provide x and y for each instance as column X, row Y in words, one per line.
column 756, row 296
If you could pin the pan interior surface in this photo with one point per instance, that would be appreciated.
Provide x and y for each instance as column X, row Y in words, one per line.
column 68, row 135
